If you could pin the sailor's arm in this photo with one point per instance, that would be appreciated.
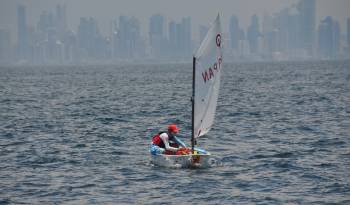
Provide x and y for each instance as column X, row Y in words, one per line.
column 165, row 139
column 178, row 141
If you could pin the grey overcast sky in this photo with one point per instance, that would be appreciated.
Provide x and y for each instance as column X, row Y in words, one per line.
column 202, row 11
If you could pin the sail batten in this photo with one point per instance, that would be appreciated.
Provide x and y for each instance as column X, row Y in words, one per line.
column 207, row 65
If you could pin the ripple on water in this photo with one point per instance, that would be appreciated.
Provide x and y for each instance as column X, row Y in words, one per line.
column 80, row 134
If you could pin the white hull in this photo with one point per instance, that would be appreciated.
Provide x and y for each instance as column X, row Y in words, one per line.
column 181, row 161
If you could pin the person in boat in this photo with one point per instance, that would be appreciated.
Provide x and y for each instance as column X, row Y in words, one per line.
column 167, row 142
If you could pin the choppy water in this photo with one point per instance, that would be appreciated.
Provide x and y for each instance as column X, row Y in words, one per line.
column 80, row 135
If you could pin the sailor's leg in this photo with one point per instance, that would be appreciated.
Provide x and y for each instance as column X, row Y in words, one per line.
column 154, row 149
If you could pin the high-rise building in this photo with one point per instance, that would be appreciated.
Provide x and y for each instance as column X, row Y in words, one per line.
column 325, row 37
column 173, row 39
column 307, row 23
column 234, row 32
column 187, row 36
column 70, row 47
column 283, row 30
column 267, row 32
column 5, row 46
column 156, row 34
column 22, row 34
column 348, row 31
column 128, row 43
column 180, row 41
column 293, row 31
column 61, row 21
column 49, row 45
column 328, row 38
column 336, row 39
column 46, row 21
column 253, row 34
column 88, row 35
column 157, row 25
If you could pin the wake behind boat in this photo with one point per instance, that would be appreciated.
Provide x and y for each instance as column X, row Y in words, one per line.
column 207, row 64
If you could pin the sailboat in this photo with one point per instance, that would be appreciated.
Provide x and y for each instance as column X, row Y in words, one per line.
column 207, row 64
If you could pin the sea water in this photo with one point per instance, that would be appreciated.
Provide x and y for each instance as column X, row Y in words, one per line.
column 80, row 134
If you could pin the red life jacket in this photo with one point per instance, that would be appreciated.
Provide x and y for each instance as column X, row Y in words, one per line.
column 156, row 140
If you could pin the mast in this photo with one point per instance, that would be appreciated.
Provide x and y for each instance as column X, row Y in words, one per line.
column 193, row 94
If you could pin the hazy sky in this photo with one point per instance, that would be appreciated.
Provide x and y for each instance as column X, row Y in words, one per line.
column 201, row 11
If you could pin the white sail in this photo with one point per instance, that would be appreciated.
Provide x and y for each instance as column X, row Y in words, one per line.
column 208, row 64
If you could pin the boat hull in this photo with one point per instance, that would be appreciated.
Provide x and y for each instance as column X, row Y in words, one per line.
column 181, row 161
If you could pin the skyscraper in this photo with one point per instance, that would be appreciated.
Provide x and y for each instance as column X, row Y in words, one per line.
column 348, row 31
column 61, row 22
column 328, row 38
column 22, row 34
column 234, row 32
column 156, row 34
column 5, row 45
column 267, row 31
column 253, row 34
column 307, row 22
column 180, row 41
column 283, row 30
column 46, row 21
column 173, row 39
column 336, row 39
column 70, row 47
column 88, row 36
column 128, row 42
column 187, row 36
column 157, row 25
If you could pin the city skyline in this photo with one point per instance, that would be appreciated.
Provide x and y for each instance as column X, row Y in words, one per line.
column 107, row 10
column 291, row 33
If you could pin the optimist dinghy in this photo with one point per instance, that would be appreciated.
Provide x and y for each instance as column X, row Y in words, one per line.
column 207, row 64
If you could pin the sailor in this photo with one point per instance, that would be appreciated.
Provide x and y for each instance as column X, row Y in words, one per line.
column 166, row 142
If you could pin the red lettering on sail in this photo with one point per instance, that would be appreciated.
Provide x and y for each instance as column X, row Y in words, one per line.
column 211, row 74
column 218, row 40
column 216, row 67
column 205, row 76
column 220, row 61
